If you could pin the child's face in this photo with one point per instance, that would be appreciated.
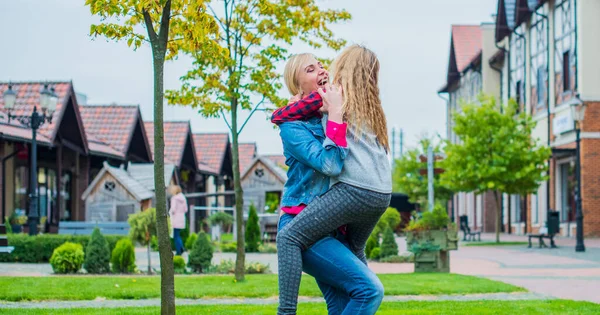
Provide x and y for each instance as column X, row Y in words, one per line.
column 312, row 75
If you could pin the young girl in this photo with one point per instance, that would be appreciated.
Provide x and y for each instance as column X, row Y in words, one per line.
column 314, row 155
column 361, row 192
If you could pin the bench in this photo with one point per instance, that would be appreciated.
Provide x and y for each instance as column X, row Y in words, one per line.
column 4, row 248
column 552, row 228
column 86, row 228
column 464, row 226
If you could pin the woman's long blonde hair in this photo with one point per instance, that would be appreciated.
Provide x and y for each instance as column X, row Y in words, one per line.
column 292, row 68
column 356, row 69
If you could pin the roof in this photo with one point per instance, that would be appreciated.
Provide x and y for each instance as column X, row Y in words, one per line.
column 175, row 135
column 505, row 18
column 28, row 96
column 277, row 170
column 100, row 148
column 144, row 174
column 210, row 151
column 247, row 153
column 278, row 159
column 112, row 124
column 467, row 41
column 134, row 187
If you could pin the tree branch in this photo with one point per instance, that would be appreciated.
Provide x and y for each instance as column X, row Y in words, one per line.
column 216, row 17
column 225, row 119
column 251, row 113
column 150, row 27
column 163, row 34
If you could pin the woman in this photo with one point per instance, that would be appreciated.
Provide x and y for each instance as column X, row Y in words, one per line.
column 362, row 191
column 177, row 212
column 313, row 156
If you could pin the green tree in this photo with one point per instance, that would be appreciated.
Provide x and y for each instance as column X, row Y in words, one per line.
column 225, row 220
column 388, row 244
column 168, row 26
column 201, row 254
column 254, row 35
column 408, row 180
column 97, row 254
column 496, row 152
column 142, row 227
column 252, row 231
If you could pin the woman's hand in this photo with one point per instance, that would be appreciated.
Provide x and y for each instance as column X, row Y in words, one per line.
column 333, row 99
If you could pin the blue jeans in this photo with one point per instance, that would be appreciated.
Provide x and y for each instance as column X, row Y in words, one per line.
column 347, row 284
column 178, row 242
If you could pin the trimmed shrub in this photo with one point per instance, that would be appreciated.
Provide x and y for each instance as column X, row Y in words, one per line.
column 372, row 242
column 252, row 231
column 404, row 258
column 67, row 258
column 375, row 253
column 267, row 248
column 201, row 254
column 256, row 267
column 228, row 247
column 388, row 244
column 179, row 264
column 227, row 266
column 123, row 257
column 39, row 248
column 189, row 243
column 97, row 254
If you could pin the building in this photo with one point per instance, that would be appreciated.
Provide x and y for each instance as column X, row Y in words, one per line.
column 467, row 77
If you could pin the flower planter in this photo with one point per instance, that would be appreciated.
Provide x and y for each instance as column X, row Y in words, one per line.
column 16, row 228
column 431, row 249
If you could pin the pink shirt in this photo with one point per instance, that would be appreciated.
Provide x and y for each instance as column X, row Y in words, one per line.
column 177, row 211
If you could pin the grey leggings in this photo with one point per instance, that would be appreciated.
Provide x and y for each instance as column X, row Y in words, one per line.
column 358, row 208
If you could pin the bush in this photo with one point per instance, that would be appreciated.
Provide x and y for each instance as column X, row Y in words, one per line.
column 405, row 258
column 228, row 267
column 227, row 237
column 267, row 248
column 388, row 244
column 154, row 243
column 201, row 254
column 67, row 258
column 123, row 257
column 430, row 220
column 39, row 248
column 225, row 220
column 375, row 253
column 228, row 247
column 179, row 264
column 372, row 242
column 191, row 240
column 97, row 254
column 252, row 231
column 391, row 218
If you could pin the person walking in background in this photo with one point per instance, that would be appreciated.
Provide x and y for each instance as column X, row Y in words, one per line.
column 177, row 212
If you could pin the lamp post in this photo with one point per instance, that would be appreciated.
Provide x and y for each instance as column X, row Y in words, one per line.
column 578, row 112
column 48, row 101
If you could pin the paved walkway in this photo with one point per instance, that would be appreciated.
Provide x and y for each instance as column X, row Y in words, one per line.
column 560, row 273
column 101, row 303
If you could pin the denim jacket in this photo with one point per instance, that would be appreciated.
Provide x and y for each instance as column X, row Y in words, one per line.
column 312, row 159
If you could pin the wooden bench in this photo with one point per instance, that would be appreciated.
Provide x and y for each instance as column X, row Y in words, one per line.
column 86, row 228
column 541, row 236
column 552, row 228
column 4, row 248
column 464, row 226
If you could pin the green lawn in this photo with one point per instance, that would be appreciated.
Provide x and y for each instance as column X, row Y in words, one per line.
column 471, row 307
column 495, row 244
column 142, row 287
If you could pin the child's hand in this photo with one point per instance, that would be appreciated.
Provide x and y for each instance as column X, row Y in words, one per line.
column 333, row 99
column 295, row 99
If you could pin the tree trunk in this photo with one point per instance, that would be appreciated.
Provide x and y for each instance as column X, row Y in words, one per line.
column 149, row 262
column 167, row 293
column 240, row 260
column 498, row 215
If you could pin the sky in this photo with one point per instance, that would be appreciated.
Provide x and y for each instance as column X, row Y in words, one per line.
column 49, row 40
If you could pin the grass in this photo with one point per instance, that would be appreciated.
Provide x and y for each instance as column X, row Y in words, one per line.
column 143, row 287
column 227, row 237
column 444, row 307
column 495, row 244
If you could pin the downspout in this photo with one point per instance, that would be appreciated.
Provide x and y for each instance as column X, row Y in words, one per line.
column 4, row 159
column 545, row 17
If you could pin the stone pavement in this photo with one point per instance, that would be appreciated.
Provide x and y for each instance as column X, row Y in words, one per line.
column 560, row 273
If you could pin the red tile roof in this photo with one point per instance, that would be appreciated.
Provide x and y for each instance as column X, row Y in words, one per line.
column 210, row 151
column 247, row 153
column 175, row 135
column 279, row 160
column 467, row 44
column 112, row 124
column 28, row 96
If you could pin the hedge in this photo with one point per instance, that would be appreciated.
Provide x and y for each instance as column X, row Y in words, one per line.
column 38, row 249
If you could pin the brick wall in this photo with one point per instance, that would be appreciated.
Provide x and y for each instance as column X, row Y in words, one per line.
column 590, row 171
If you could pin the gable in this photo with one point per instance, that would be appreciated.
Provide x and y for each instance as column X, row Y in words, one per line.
column 261, row 175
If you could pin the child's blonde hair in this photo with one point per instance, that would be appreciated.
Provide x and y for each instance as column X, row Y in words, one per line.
column 292, row 68
column 356, row 69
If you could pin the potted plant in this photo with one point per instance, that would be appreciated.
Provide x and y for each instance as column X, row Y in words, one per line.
column 430, row 235
column 16, row 221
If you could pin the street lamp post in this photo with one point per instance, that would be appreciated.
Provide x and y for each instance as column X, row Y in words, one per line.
column 48, row 101
column 578, row 112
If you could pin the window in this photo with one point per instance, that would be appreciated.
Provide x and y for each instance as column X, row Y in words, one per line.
column 541, row 87
column 21, row 189
column 518, row 94
column 566, row 68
